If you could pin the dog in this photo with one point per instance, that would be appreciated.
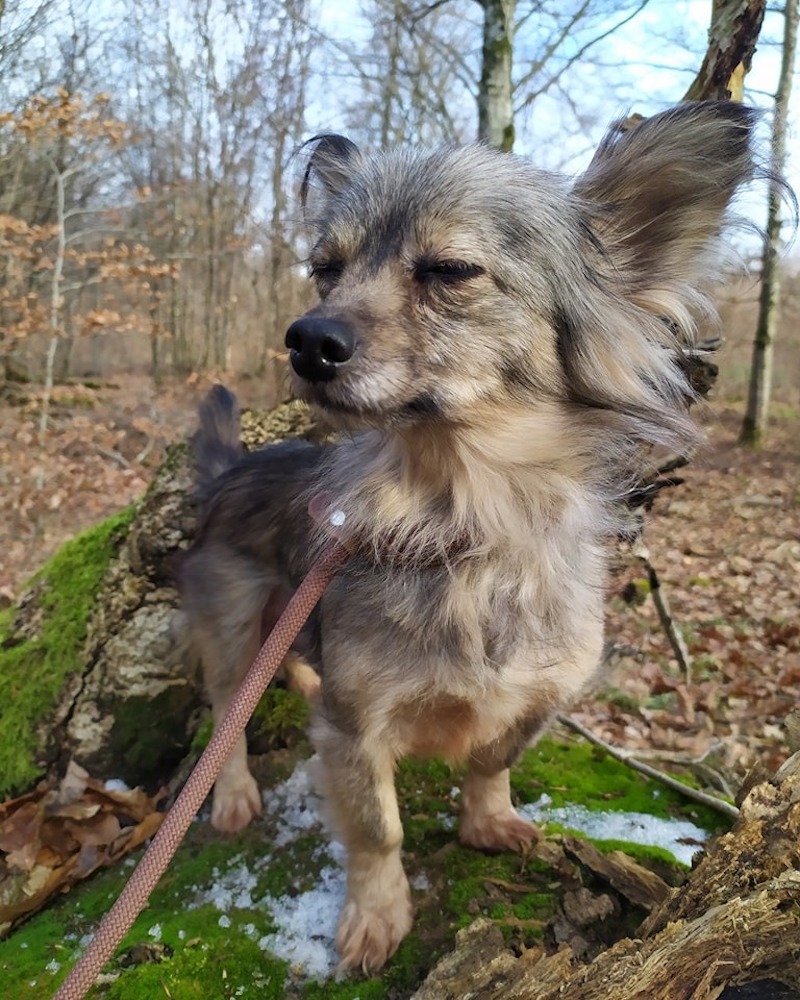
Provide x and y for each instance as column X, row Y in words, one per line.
column 502, row 350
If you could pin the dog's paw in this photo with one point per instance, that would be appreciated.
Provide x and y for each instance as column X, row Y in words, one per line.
column 367, row 937
column 235, row 804
column 504, row 831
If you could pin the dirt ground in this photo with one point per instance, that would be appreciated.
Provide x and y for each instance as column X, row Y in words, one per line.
column 726, row 545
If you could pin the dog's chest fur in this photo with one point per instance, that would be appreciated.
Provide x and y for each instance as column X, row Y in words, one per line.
column 450, row 647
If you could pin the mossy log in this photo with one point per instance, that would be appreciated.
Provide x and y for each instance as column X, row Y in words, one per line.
column 90, row 665
column 735, row 921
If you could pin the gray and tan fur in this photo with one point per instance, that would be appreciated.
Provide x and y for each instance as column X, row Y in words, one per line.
column 502, row 348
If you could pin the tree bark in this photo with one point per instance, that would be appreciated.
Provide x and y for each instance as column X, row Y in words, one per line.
column 760, row 387
column 130, row 707
column 732, row 37
column 495, row 91
column 735, row 921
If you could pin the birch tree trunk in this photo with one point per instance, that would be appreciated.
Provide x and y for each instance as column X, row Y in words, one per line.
column 56, row 302
column 758, row 397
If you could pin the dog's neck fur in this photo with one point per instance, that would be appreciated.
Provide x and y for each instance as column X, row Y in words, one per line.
column 432, row 493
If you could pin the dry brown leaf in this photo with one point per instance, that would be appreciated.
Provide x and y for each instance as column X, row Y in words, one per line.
column 61, row 833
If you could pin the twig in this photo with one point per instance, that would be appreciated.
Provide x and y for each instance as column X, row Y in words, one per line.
column 114, row 456
column 626, row 757
column 697, row 765
column 145, row 451
column 672, row 631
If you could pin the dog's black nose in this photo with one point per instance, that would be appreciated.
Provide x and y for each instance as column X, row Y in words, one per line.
column 319, row 347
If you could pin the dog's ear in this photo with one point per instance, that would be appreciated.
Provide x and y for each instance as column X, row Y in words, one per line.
column 656, row 193
column 331, row 164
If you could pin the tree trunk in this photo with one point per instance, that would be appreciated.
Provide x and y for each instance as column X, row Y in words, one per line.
column 495, row 107
column 758, row 397
column 55, row 303
column 732, row 37
column 122, row 696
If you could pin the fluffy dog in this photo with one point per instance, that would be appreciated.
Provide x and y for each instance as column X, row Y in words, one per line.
column 503, row 348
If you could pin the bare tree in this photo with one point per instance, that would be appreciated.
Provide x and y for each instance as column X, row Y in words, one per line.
column 218, row 101
column 557, row 37
column 758, row 398
column 19, row 23
column 426, row 64
column 410, row 78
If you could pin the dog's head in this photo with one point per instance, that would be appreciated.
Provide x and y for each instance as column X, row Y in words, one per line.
column 463, row 278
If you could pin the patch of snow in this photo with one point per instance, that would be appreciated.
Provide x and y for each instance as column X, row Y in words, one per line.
column 231, row 890
column 635, row 828
column 115, row 785
column 295, row 805
column 307, row 922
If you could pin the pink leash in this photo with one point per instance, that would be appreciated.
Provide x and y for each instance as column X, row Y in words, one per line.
column 133, row 898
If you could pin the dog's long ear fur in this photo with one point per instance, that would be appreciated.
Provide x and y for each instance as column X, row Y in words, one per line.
column 331, row 164
column 651, row 206
column 655, row 197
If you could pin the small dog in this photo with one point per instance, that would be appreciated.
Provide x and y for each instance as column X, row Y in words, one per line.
column 504, row 349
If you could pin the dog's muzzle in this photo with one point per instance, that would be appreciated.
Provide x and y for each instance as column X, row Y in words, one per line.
column 319, row 347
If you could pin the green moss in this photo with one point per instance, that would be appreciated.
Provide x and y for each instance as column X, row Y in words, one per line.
column 33, row 670
column 176, row 459
column 580, row 774
column 150, row 759
column 623, row 700
column 203, row 734
column 454, row 886
column 651, row 857
column 280, row 720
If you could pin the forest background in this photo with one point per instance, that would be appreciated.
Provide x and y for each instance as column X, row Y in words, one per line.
column 150, row 234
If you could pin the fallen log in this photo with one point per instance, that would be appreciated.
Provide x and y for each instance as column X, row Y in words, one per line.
column 736, row 921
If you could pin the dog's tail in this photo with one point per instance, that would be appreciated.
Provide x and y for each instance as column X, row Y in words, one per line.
column 216, row 446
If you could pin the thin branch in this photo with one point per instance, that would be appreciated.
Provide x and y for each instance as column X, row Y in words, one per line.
column 114, row 456
column 571, row 61
column 626, row 757
column 673, row 633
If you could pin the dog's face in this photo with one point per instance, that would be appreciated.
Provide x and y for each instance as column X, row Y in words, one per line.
column 434, row 287
column 464, row 278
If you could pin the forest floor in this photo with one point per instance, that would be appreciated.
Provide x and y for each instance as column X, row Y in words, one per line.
column 726, row 545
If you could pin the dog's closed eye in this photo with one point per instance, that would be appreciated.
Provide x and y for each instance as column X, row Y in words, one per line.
column 326, row 274
column 447, row 272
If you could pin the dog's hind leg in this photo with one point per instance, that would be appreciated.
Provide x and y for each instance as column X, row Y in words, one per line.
column 236, row 798
column 489, row 820
column 223, row 598
column 358, row 787
column 300, row 677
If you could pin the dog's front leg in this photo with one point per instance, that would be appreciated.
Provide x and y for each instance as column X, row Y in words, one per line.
column 489, row 821
column 357, row 782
